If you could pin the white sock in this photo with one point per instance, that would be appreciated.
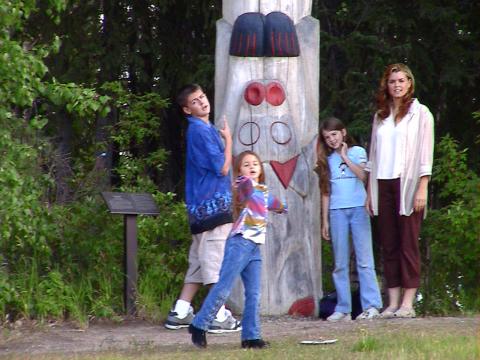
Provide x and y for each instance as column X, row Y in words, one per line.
column 221, row 314
column 181, row 308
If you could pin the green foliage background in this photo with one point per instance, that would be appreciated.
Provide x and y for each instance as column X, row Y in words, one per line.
column 84, row 107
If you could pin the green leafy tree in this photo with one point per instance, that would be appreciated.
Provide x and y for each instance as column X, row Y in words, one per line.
column 439, row 41
column 60, row 256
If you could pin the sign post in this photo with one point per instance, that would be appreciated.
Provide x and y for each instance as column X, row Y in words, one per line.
column 130, row 205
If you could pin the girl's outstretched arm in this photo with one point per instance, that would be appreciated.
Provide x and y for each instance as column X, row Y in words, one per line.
column 274, row 204
column 244, row 187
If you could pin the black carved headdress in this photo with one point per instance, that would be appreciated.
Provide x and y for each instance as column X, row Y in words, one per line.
column 257, row 35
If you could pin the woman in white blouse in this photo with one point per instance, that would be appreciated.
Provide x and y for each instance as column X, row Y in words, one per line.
column 401, row 155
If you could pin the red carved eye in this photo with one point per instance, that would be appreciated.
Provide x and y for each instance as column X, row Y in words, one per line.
column 275, row 94
column 254, row 93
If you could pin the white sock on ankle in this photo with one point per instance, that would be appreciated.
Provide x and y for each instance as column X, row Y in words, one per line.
column 181, row 308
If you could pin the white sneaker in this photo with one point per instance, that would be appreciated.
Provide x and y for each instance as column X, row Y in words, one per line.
column 339, row 316
column 230, row 324
column 368, row 314
column 223, row 315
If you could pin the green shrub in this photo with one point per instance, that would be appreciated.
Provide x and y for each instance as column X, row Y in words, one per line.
column 66, row 261
column 451, row 235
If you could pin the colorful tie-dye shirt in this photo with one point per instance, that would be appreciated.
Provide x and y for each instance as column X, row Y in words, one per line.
column 252, row 222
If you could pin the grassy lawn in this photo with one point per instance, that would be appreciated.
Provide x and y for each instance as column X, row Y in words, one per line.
column 396, row 345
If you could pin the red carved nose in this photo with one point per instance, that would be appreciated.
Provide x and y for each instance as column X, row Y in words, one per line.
column 254, row 93
column 275, row 94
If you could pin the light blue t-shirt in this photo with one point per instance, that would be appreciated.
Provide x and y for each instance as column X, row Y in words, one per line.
column 347, row 190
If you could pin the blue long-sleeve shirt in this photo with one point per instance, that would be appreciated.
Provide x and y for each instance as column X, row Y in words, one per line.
column 207, row 192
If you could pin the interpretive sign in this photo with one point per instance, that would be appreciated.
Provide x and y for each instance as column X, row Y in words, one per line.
column 130, row 205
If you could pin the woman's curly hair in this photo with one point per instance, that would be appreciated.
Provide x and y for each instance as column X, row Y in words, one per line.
column 383, row 98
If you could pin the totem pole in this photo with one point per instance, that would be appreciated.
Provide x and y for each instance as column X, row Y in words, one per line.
column 267, row 86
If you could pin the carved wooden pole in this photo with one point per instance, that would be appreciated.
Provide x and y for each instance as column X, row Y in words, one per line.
column 267, row 84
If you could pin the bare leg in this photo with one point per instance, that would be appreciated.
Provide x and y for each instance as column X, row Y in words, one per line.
column 188, row 291
column 393, row 298
column 408, row 298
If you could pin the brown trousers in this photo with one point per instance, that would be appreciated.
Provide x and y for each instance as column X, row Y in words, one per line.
column 398, row 238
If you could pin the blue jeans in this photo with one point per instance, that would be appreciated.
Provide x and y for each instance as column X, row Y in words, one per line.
column 356, row 221
column 242, row 257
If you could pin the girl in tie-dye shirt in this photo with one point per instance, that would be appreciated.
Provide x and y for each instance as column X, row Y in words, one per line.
column 242, row 252
column 252, row 202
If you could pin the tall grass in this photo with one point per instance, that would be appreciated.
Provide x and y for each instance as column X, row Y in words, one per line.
column 80, row 277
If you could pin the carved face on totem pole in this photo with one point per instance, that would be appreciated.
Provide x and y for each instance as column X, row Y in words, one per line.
column 266, row 84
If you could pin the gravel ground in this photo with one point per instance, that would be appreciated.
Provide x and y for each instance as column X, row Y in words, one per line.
column 134, row 334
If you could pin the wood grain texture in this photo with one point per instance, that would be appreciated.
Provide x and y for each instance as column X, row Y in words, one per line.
column 292, row 256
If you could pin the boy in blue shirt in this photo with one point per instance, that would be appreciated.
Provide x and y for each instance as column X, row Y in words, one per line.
column 208, row 198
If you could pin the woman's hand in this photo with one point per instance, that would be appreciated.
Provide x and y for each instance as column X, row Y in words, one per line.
column 368, row 206
column 420, row 199
column 368, row 200
column 326, row 231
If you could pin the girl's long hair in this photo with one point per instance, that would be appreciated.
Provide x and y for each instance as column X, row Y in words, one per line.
column 323, row 150
column 238, row 205
column 383, row 98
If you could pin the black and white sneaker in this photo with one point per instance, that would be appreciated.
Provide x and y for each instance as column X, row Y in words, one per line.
column 230, row 324
column 174, row 322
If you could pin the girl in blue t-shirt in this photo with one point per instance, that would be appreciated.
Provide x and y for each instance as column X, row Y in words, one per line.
column 342, row 185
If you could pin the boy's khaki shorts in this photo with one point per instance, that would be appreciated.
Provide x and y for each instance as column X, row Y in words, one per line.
column 206, row 255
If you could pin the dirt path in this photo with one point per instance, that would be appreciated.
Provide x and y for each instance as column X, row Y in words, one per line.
column 137, row 335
